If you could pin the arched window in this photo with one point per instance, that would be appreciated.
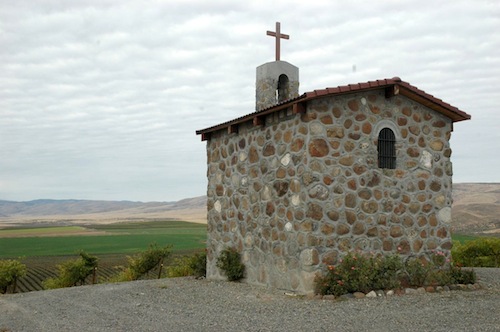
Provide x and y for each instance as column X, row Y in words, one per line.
column 386, row 147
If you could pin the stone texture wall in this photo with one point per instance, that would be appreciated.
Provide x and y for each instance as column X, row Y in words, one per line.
column 304, row 190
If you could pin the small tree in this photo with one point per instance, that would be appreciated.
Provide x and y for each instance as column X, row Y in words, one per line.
column 10, row 271
column 72, row 272
column 229, row 261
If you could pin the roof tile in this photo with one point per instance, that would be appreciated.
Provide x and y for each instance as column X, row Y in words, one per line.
column 413, row 92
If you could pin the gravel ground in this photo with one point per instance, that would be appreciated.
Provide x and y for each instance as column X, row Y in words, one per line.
column 186, row 304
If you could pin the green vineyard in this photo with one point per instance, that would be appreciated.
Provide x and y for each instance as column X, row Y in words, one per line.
column 43, row 268
column 36, row 276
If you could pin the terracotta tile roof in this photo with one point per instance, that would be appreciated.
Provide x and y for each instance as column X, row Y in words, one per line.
column 393, row 85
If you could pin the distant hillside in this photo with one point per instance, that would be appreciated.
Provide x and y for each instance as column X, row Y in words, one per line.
column 476, row 209
column 88, row 211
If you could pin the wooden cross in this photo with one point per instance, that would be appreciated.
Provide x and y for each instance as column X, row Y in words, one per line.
column 278, row 35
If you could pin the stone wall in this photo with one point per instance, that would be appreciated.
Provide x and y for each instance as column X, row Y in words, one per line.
column 304, row 190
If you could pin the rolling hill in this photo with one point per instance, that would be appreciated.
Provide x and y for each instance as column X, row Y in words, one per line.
column 476, row 210
column 88, row 211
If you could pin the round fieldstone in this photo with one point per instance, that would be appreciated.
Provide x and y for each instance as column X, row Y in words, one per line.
column 358, row 295
column 358, row 228
column 436, row 145
column 270, row 208
column 268, row 150
column 242, row 143
column 369, row 207
column 315, row 211
column 318, row 148
column 281, row 187
column 319, row 192
column 327, row 229
column 350, row 200
column 350, row 217
column 353, row 105
column 372, row 232
column 219, row 190
column 435, row 186
column 396, row 231
column 295, row 186
column 326, row 119
column 444, row 215
column 336, row 112
column 417, row 245
column 333, row 215
column 365, row 194
column 439, row 124
column 442, row 233
column 335, row 132
column 343, row 229
column 415, row 130
column 297, row 144
column 413, row 152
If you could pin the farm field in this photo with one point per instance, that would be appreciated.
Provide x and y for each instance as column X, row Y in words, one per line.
column 43, row 248
column 119, row 238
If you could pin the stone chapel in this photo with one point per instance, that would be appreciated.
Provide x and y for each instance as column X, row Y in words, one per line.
column 307, row 178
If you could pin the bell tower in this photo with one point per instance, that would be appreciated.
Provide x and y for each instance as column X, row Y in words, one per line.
column 277, row 81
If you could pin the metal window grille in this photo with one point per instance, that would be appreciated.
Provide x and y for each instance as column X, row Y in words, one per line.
column 386, row 149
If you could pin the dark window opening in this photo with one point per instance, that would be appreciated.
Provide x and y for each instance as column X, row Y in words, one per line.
column 386, row 149
column 282, row 91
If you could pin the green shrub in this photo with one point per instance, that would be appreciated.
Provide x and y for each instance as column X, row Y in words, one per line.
column 10, row 271
column 142, row 263
column 72, row 272
column 358, row 272
column 195, row 265
column 180, row 267
column 482, row 252
column 388, row 270
column 229, row 261
column 461, row 276
column 199, row 265
column 416, row 272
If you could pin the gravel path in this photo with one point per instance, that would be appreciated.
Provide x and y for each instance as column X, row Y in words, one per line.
column 185, row 304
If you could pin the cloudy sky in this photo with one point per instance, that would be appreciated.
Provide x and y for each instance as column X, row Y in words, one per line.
column 100, row 99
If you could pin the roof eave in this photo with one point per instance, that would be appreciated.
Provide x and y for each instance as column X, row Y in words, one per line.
column 429, row 101
column 392, row 86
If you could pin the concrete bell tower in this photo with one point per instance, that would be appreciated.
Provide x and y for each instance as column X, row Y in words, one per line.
column 276, row 81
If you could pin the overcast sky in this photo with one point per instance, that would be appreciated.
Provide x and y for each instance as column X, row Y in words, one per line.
column 100, row 99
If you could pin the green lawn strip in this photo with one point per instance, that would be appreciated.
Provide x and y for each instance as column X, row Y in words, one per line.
column 462, row 238
column 106, row 244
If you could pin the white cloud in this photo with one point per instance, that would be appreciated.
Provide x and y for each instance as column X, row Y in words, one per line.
column 101, row 99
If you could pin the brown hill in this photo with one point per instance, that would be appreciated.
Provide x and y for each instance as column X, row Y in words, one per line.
column 476, row 209
column 88, row 212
